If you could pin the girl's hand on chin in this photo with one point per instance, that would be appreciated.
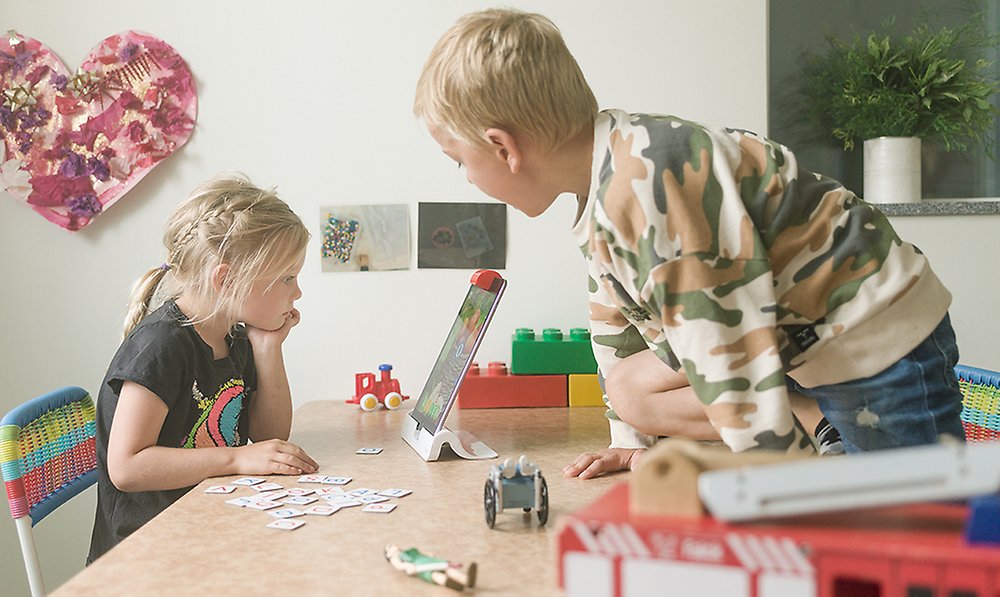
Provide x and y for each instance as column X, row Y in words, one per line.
column 262, row 339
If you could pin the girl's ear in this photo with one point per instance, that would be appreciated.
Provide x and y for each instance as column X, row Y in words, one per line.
column 220, row 276
column 506, row 148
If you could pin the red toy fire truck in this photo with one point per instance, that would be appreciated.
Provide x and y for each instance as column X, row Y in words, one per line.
column 910, row 550
column 369, row 392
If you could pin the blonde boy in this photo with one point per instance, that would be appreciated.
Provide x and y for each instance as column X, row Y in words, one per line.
column 722, row 275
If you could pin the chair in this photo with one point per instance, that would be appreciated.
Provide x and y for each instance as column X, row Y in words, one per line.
column 47, row 457
column 980, row 403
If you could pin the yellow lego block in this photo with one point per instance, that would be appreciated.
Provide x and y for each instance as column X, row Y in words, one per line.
column 584, row 390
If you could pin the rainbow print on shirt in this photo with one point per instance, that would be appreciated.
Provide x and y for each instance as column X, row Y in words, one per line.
column 218, row 425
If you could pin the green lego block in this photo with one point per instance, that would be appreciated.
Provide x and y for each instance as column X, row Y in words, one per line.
column 552, row 354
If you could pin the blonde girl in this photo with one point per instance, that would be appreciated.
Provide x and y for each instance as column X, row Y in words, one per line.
column 204, row 369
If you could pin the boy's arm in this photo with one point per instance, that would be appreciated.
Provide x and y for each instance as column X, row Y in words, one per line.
column 716, row 294
column 728, row 346
column 613, row 338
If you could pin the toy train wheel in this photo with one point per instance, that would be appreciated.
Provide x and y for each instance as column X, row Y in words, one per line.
column 393, row 400
column 368, row 402
column 543, row 507
column 490, row 503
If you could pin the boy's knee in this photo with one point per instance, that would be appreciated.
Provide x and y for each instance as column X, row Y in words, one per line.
column 618, row 387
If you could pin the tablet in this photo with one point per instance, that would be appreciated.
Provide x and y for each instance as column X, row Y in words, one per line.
column 475, row 314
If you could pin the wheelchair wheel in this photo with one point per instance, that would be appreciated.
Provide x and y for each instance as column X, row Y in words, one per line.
column 543, row 507
column 490, row 503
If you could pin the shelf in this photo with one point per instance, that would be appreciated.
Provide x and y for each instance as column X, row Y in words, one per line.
column 933, row 207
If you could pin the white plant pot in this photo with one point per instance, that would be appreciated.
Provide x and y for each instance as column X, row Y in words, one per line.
column 892, row 170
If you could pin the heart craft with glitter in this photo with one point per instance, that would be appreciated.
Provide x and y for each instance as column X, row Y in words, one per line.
column 72, row 145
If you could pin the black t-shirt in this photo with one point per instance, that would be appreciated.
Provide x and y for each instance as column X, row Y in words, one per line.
column 207, row 400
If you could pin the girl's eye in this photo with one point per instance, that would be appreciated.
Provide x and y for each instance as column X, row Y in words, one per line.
column 288, row 279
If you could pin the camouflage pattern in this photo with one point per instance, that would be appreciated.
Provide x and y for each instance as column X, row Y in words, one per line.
column 714, row 249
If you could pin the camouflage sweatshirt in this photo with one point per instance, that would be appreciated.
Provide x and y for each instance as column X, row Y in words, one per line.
column 716, row 250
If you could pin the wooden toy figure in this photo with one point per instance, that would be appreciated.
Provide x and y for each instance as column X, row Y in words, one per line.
column 431, row 569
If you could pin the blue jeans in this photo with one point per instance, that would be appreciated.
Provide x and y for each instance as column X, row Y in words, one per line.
column 910, row 403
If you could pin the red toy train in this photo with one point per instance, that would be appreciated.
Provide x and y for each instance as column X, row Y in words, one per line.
column 369, row 392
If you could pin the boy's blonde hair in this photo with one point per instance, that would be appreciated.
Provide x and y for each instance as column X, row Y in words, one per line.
column 507, row 69
column 228, row 221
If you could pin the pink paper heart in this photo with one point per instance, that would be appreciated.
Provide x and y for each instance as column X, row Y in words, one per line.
column 72, row 145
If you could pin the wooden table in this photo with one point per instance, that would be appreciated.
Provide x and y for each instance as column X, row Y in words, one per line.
column 201, row 545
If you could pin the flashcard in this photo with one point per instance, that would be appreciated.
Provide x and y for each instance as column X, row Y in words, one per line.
column 266, row 487
column 220, row 489
column 381, row 508
column 240, row 501
column 319, row 510
column 287, row 513
column 373, row 498
column 271, row 495
column 361, row 491
column 337, row 480
column 312, row 478
column 395, row 492
column 248, row 481
column 341, row 502
column 328, row 491
column 369, row 451
column 299, row 491
column 262, row 504
column 298, row 500
column 285, row 524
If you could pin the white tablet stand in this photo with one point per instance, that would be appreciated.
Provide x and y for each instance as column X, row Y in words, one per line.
column 428, row 445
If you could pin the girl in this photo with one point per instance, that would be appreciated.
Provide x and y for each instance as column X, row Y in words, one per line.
column 205, row 369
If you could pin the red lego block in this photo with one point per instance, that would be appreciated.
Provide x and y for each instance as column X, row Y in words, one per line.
column 497, row 388
column 913, row 549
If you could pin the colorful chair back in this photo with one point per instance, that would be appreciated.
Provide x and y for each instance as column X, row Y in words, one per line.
column 980, row 403
column 47, row 456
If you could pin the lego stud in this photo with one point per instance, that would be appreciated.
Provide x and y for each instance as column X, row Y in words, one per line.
column 524, row 334
column 473, row 370
column 552, row 335
column 579, row 334
column 497, row 368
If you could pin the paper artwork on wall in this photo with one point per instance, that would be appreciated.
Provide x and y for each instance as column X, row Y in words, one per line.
column 365, row 237
column 462, row 236
column 72, row 144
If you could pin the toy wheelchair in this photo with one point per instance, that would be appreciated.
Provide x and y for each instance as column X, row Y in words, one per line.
column 518, row 485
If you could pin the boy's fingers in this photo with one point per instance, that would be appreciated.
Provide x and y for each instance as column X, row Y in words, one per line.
column 596, row 468
column 582, row 462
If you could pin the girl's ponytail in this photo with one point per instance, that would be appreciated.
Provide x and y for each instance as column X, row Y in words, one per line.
column 141, row 296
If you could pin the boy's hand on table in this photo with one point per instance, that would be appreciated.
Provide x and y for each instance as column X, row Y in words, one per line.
column 610, row 460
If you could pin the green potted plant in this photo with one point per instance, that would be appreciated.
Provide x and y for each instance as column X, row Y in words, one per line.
column 889, row 91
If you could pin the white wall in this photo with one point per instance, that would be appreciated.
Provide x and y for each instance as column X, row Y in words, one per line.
column 315, row 98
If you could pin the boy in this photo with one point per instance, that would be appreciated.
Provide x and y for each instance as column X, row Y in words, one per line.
column 722, row 275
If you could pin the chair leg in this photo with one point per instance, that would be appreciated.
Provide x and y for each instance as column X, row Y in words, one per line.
column 30, row 554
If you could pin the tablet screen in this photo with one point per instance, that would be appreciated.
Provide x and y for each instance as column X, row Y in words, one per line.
column 463, row 340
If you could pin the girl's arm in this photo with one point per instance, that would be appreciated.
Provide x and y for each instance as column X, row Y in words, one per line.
column 136, row 463
column 271, row 407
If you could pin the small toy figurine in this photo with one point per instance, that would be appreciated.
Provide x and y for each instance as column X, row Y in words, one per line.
column 518, row 485
column 369, row 392
column 435, row 570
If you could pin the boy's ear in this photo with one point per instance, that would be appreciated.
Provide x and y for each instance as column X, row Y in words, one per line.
column 219, row 275
column 506, row 148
